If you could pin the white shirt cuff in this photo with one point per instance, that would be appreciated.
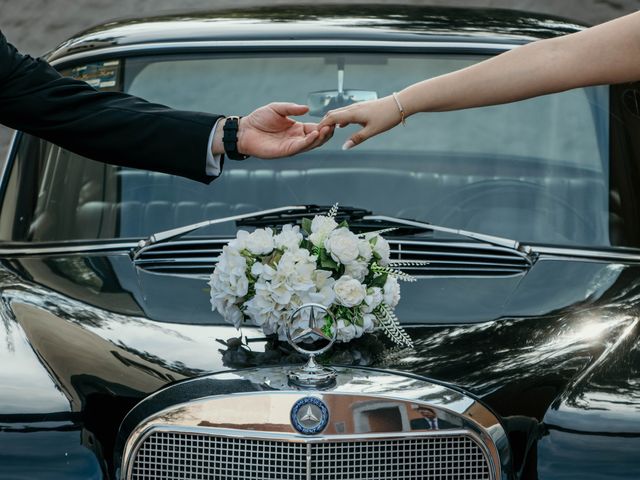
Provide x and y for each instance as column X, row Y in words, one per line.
column 213, row 161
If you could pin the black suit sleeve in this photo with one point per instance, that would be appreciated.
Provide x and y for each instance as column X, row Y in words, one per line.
column 110, row 127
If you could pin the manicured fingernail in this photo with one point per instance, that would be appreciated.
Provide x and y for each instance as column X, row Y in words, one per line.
column 348, row 144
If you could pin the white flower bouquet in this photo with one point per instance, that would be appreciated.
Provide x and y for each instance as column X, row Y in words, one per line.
column 262, row 277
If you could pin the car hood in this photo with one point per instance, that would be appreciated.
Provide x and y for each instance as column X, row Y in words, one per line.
column 82, row 326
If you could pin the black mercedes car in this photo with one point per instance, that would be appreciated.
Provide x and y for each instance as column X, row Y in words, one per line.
column 522, row 221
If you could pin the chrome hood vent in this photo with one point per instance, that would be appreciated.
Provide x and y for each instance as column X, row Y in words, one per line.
column 445, row 259
column 469, row 259
column 370, row 425
column 186, row 257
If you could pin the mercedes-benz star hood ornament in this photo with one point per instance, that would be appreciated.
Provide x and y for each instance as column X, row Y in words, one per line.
column 306, row 326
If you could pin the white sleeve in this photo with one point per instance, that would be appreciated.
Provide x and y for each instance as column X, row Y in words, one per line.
column 213, row 161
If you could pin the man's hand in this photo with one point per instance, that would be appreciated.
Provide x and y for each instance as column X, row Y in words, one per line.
column 268, row 132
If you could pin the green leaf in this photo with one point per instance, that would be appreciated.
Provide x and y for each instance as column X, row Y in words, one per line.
column 373, row 240
column 273, row 258
column 306, row 226
column 326, row 261
column 344, row 224
column 379, row 281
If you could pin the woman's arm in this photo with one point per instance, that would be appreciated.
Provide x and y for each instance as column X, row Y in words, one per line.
column 604, row 54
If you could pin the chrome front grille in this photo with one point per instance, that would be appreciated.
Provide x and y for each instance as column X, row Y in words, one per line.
column 198, row 456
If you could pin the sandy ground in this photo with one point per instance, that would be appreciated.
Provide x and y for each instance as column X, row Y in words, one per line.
column 36, row 26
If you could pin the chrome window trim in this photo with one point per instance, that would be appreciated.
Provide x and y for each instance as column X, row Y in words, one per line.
column 153, row 47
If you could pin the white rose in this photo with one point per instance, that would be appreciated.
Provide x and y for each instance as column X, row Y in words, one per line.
column 357, row 270
column 364, row 248
column 289, row 238
column 368, row 322
column 349, row 291
column 391, row 291
column 260, row 241
column 346, row 330
column 381, row 248
column 321, row 227
column 342, row 245
column 373, row 298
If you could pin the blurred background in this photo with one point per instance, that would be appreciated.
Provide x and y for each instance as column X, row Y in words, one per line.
column 36, row 26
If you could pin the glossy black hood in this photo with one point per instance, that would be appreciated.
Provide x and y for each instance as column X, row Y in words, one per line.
column 92, row 335
column 487, row 335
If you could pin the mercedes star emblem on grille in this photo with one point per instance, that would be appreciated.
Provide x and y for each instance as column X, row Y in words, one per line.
column 309, row 415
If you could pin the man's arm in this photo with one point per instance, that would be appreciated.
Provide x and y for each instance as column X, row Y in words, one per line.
column 120, row 129
column 106, row 126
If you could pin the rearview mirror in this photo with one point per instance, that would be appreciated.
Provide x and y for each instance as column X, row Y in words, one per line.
column 321, row 102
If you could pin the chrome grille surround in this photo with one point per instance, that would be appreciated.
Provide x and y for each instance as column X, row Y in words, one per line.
column 219, row 455
column 371, row 433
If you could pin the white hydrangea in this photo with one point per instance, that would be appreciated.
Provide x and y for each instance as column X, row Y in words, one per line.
column 229, row 283
column 289, row 238
column 323, row 293
column 234, row 316
column 349, row 291
column 391, row 291
column 342, row 245
column 260, row 241
column 288, row 284
column 321, row 227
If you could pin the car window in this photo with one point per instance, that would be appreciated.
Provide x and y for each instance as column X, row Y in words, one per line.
column 536, row 171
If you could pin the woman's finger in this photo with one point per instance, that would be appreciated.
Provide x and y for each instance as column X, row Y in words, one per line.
column 340, row 117
column 357, row 138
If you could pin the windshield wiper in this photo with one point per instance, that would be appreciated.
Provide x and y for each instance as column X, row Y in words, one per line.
column 260, row 219
column 273, row 216
column 357, row 217
column 482, row 237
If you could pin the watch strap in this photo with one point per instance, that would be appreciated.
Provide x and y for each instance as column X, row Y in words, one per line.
column 230, row 139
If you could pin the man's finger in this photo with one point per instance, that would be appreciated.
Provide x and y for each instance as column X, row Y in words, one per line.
column 286, row 109
column 310, row 127
column 303, row 143
column 325, row 134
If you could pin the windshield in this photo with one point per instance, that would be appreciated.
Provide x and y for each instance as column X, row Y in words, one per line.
column 536, row 171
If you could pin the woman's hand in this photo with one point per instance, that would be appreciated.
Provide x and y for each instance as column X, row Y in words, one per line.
column 375, row 116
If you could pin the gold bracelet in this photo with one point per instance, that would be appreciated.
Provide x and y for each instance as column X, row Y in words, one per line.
column 401, row 108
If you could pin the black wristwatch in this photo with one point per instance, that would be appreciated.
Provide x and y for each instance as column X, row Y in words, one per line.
column 230, row 139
